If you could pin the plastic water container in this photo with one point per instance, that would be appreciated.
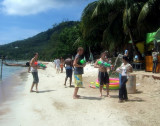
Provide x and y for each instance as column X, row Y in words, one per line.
column 131, row 84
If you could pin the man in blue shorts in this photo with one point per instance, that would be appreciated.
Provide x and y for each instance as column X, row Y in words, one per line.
column 68, row 64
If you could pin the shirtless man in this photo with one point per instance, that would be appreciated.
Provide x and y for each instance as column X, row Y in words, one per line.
column 62, row 63
column 34, row 71
column 68, row 64
column 103, row 74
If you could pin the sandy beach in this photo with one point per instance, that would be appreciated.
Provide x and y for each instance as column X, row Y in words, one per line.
column 54, row 105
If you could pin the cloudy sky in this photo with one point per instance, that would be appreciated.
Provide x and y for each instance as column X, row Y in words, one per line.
column 20, row 19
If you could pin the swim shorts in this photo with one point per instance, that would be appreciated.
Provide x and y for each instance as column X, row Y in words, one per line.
column 35, row 77
column 69, row 72
column 103, row 78
column 61, row 65
column 58, row 67
column 78, row 80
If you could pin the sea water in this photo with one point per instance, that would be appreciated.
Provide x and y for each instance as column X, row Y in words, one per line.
column 8, row 71
column 10, row 83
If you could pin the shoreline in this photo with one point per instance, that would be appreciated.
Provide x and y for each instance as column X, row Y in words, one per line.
column 11, row 86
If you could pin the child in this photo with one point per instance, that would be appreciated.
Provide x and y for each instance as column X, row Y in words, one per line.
column 61, row 64
column 124, row 70
column 103, row 75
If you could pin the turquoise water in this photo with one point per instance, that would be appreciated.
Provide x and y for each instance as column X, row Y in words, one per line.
column 8, row 71
column 10, row 81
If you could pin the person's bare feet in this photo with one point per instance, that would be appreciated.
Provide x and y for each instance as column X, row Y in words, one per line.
column 31, row 91
column 78, row 96
column 120, row 101
column 75, row 97
column 108, row 96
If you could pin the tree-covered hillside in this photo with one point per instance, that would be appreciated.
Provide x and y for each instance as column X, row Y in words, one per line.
column 55, row 42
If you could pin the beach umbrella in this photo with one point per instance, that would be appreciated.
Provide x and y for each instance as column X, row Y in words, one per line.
column 150, row 37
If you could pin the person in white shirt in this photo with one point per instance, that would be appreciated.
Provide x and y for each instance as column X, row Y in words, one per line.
column 126, row 53
column 55, row 62
column 155, row 60
column 58, row 65
column 124, row 70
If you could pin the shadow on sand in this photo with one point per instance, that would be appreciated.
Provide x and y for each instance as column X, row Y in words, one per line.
column 114, row 96
column 139, row 92
column 72, row 86
column 45, row 91
column 90, row 98
column 135, row 99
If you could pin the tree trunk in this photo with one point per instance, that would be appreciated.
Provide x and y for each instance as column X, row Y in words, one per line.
column 134, row 45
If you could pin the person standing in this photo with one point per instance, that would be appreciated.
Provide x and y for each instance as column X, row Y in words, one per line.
column 55, row 60
column 61, row 65
column 68, row 64
column 124, row 69
column 126, row 53
column 155, row 60
column 78, row 71
column 103, row 76
column 34, row 71
column 58, row 65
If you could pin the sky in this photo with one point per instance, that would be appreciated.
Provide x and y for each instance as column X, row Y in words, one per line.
column 20, row 19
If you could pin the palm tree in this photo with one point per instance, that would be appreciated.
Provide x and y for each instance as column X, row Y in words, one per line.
column 115, row 22
column 104, row 20
column 130, row 17
column 91, row 29
column 149, row 17
column 88, row 25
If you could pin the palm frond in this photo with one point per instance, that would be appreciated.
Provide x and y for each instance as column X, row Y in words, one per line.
column 149, row 8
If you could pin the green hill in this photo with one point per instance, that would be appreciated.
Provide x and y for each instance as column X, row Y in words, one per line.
column 54, row 42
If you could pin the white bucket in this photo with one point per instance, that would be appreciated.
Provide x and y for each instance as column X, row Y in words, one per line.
column 131, row 84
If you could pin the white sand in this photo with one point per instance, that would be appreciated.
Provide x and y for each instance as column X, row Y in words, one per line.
column 54, row 105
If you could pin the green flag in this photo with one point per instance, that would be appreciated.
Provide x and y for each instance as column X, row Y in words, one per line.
column 150, row 37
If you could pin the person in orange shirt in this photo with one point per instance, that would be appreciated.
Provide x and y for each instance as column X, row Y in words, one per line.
column 62, row 64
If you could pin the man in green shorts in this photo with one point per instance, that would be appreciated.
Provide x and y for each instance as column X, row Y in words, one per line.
column 78, row 71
